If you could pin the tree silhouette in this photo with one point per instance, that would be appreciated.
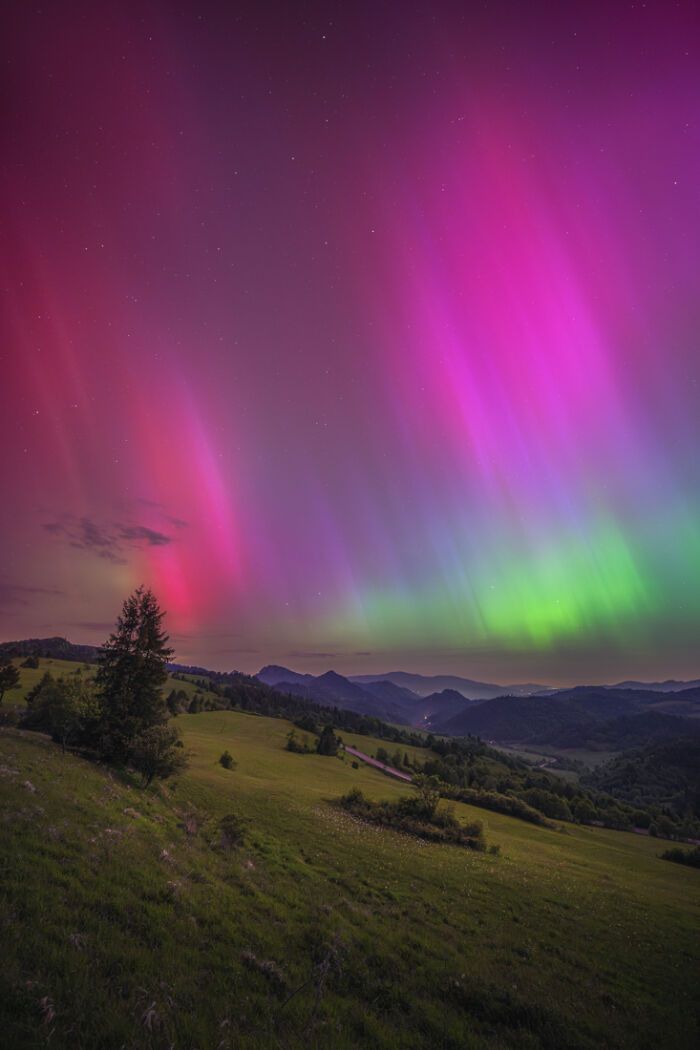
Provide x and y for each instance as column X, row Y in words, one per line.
column 131, row 675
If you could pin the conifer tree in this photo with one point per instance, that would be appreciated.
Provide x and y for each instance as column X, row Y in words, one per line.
column 131, row 675
column 327, row 742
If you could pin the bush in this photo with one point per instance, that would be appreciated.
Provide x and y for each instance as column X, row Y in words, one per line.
column 691, row 857
column 227, row 760
column 409, row 815
column 299, row 747
column 428, row 793
column 157, row 752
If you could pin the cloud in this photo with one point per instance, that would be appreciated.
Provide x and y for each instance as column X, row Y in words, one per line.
column 142, row 532
column 19, row 594
column 110, row 541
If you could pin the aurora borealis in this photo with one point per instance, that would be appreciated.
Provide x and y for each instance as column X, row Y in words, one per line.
column 368, row 335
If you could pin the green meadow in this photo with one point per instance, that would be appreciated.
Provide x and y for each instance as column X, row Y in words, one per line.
column 31, row 676
column 131, row 920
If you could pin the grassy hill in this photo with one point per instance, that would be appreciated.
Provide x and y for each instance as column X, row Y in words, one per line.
column 128, row 921
column 30, row 676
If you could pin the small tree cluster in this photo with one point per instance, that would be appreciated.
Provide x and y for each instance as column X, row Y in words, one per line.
column 66, row 708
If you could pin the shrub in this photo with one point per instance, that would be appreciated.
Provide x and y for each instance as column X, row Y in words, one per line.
column 691, row 857
column 409, row 815
column 157, row 752
column 428, row 792
column 227, row 760
column 299, row 747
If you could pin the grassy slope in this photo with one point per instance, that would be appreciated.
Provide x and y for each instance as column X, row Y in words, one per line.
column 29, row 677
column 567, row 940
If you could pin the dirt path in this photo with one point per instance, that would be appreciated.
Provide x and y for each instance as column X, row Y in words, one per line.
column 389, row 770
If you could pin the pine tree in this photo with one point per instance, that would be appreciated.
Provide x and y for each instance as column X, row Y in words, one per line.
column 327, row 742
column 131, row 675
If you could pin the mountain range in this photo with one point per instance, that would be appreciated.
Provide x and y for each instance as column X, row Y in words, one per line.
column 429, row 685
column 609, row 718
column 586, row 717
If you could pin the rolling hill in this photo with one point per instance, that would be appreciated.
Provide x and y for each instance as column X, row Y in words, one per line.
column 131, row 917
column 665, row 773
column 592, row 717
column 671, row 685
column 55, row 648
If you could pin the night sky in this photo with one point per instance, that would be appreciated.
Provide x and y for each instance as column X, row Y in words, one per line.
column 368, row 334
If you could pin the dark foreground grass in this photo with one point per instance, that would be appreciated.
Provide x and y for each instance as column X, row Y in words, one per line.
column 133, row 919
